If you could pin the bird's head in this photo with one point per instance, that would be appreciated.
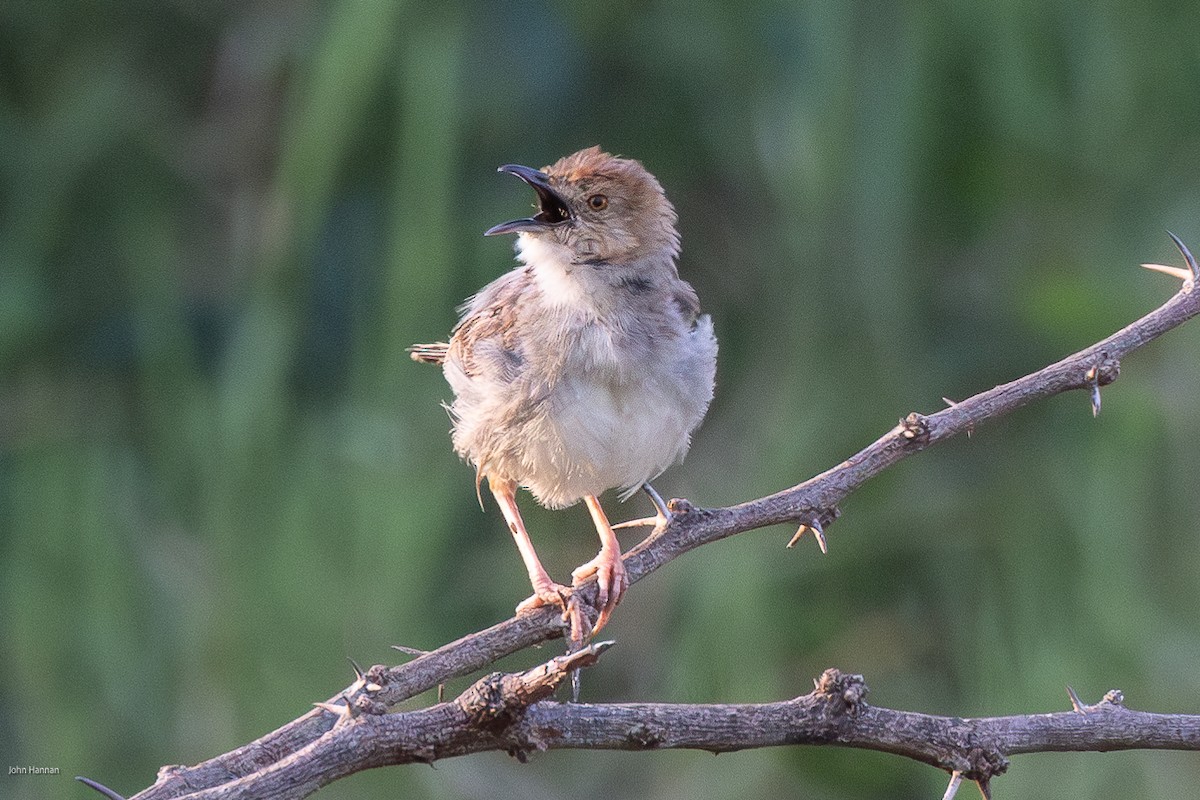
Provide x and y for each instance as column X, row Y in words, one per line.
column 600, row 208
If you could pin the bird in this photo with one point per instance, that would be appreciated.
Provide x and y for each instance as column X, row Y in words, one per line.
column 585, row 368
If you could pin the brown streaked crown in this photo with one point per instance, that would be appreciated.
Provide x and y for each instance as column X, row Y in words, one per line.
column 616, row 210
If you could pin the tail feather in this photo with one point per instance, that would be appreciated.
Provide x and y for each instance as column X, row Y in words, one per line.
column 434, row 353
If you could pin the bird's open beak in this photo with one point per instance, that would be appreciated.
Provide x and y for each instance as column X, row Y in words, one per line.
column 552, row 210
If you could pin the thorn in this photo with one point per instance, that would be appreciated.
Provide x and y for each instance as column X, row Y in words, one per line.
column 1076, row 703
column 412, row 651
column 600, row 647
column 360, row 679
column 1175, row 272
column 1187, row 255
column 818, row 532
column 1093, row 376
column 574, row 661
column 343, row 713
column 951, row 404
column 99, row 787
column 796, row 536
column 955, row 781
column 985, row 788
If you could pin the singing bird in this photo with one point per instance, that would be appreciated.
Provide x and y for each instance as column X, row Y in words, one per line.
column 587, row 367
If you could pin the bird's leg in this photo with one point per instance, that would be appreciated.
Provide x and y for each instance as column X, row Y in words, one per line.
column 662, row 514
column 545, row 591
column 611, row 579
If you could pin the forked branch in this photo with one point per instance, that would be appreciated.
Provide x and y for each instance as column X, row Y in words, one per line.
column 326, row 743
column 511, row 713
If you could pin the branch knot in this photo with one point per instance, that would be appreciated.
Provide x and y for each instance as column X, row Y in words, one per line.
column 985, row 764
column 645, row 735
column 497, row 700
column 914, row 430
column 493, row 701
column 848, row 692
column 1104, row 371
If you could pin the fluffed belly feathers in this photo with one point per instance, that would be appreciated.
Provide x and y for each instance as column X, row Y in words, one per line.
column 592, row 430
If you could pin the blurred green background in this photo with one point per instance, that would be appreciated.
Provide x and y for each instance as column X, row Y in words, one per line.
column 221, row 223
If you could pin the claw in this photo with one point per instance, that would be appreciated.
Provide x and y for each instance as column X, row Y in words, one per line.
column 579, row 624
column 611, row 579
column 555, row 594
column 611, row 582
column 548, row 594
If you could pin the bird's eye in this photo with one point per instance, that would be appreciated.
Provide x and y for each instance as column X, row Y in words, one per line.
column 598, row 202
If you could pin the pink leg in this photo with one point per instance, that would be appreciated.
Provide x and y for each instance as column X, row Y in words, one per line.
column 611, row 579
column 545, row 591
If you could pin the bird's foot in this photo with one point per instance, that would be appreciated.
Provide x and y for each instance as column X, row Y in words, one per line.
column 563, row 597
column 611, row 582
column 546, row 594
column 658, row 522
column 662, row 513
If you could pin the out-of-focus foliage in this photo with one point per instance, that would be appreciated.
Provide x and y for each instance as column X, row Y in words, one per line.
column 220, row 476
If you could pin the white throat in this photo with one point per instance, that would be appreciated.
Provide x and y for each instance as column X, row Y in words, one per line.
column 563, row 282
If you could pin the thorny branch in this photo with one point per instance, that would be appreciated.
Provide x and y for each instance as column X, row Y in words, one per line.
column 510, row 713
column 350, row 732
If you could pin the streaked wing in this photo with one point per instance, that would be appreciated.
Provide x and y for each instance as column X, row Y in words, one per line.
column 434, row 353
column 485, row 341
